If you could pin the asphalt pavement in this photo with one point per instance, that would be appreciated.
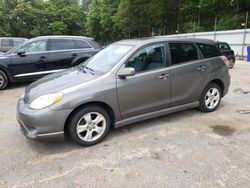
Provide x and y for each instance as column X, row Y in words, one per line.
column 184, row 149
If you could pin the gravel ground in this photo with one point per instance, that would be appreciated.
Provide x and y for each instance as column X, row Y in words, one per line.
column 185, row 149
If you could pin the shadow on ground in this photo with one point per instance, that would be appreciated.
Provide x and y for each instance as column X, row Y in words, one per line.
column 13, row 86
column 66, row 145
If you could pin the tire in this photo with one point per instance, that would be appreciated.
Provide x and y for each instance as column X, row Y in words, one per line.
column 231, row 62
column 210, row 98
column 3, row 80
column 84, row 128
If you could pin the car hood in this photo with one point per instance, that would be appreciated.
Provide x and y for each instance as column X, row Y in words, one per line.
column 57, row 82
column 4, row 57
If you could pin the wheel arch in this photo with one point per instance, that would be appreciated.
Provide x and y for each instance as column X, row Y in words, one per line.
column 219, row 83
column 231, row 56
column 97, row 103
column 6, row 72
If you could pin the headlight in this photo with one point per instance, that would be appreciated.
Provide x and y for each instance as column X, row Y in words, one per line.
column 46, row 100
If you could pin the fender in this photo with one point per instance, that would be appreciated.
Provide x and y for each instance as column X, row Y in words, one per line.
column 230, row 56
column 218, row 81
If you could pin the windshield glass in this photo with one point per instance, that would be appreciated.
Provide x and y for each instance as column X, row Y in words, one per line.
column 106, row 59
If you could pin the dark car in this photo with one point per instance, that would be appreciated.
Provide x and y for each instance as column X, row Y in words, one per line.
column 227, row 52
column 127, row 82
column 44, row 55
column 6, row 43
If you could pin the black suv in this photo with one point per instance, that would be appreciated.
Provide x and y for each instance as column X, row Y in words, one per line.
column 227, row 51
column 44, row 55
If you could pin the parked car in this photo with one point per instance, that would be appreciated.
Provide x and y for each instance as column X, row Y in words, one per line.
column 127, row 82
column 44, row 55
column 228, row 52
column 6, row 43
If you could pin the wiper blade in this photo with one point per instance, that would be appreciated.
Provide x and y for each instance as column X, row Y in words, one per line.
column 91, row 70
column 79, row 68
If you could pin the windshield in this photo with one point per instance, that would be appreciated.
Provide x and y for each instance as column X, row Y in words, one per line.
column 106, row 59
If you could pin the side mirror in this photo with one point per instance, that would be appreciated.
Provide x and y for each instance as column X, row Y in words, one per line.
column 126, row 71
column 20, row 52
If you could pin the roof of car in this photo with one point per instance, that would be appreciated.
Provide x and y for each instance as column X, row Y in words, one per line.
column 220, row 42
column 143, row 41
column 62, row 36
column 13, row 38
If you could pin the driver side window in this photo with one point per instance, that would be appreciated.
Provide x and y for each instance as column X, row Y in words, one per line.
column 35, row 46
column 151, row 57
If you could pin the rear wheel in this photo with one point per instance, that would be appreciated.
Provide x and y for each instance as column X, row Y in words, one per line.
column 89, row 125
column 210, row 98
column 231, row 62
column 3, row 80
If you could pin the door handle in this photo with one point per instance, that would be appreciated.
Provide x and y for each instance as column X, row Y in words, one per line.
column 163, row 76
column 74, row 55
column 201, row 68
column 43, row 57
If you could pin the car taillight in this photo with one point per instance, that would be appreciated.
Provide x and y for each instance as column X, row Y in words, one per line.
column 225, row 61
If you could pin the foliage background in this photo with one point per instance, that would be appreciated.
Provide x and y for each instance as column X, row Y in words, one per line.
column 110, row 20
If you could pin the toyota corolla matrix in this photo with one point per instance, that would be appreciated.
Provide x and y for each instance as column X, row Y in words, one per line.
column 127, row 82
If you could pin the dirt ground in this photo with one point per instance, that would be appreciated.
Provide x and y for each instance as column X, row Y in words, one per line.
column 185, row 149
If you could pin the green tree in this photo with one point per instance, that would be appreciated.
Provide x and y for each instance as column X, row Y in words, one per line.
column 38, row 17
column 59, row 28
column 110, row 20
column 133, row 18
column 94, row 27
column 108, row 9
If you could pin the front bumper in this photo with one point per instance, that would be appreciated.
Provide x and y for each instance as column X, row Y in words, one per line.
column 41, row 124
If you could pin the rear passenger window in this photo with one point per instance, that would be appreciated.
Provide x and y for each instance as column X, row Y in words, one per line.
column 62, row 44
column 182, row 52
column 209, row 50
column 7, row 42
column 81, row 44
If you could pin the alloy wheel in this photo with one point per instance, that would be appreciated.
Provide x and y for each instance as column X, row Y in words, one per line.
column 1, row 80
column 91, row 126
column 212, row 98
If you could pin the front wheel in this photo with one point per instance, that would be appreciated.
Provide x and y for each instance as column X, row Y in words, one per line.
column 89, row 125
column 3, row 80
column 210, row 98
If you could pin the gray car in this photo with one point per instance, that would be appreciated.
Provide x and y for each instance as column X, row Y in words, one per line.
column 127, row 82
column 6, row 43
